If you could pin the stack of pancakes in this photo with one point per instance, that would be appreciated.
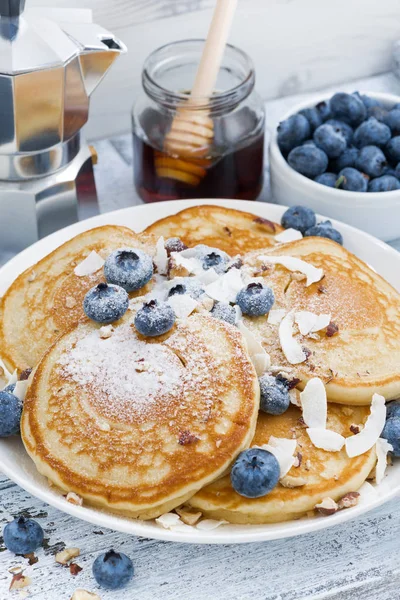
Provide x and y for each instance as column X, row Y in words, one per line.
column 141, row 426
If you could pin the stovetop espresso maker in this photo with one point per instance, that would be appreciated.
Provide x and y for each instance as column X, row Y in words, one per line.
column 48, row 71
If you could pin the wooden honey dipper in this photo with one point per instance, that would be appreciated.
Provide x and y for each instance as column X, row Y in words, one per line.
column 187, row 143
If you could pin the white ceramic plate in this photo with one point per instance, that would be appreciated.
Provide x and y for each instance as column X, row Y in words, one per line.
column 16, row 464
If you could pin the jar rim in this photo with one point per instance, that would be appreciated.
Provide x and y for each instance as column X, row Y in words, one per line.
column 219, row 101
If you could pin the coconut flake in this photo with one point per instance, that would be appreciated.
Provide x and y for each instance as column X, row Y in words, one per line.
column 382, row 449
column 168, row 520
column 363, row 441
column 283, row 450
column 20, row 389
column 275, row 316
column 239, row 314
column 296, row 264
column 210, row 524
column 190, row 263
column 309, row 322
column 290, row 346
column 208, row 276
column 326, row 439
column 161, row 257
column 289, row 235
column 226, row 288
column 183, row 305
column 314, row 404
column 368, row 493
column 259, row 357
column 90, row 265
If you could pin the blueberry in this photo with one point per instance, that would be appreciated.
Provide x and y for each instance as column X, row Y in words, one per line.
column 313, row 116
column 330, row 139
column 106, row 303
column 10, row 414
column 324, row 109
column 344, row 128
column 391, row 433
column 378, row 112
column 352, row 180
column 371, row 161
column 255, row 473
column 23, row 536
column 328, row 179
column 255, row 300
column 224, row 312
column 310, row 143
column 298, row 217
column 368, row 101
column 346, row 159
column 211, row 258
column 113, row 570
column 397, row 171
column 392, row 120
column 326, row 230
column 386, row 183
column 10, row 388
column 292, row 132
column 187, row 285
column 274, row 395
column 393, row 409
column 348, row 108
column 308, row 161
column 372, row 132
column 129, row 268
column 154, row 318
column 392, row 149
column 174, row 244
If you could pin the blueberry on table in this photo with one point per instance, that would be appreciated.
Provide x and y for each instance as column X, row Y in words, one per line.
column 308, row 160
column 154, row 318
column 326, row 230
column 346, row 159
column 255, row 300
column 392, row 120
column 348, row 108
column 10, row 414
column 352, row 180
column 379, row 112
column 391, row 433
column 187, row 285
column 106, row 303
column 328, row 179
column 393, row 409
column 298, row 217
column 274, row 395
column 224, row 312
column 129, row 268
column 344, row 128
column 392, row 149
column 386, row 183
column 292, row 132
column 371, row 132
column 371, row 161
column 23, row 536
column 330, row 139
column 113, row 570
column 255, row 473
column 313, row 116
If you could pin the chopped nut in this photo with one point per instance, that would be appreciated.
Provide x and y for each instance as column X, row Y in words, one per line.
column 292, row 482
column 298, row 460
column 185, row 438
column 218, row 443
column 19, row 581
column 74, row 499
column 346, row 410
column 32, row 559
column 84, row 595
column 332, row 329
column 295, row 397
column 24, row 376
column 141, row 365
column 289, row 383
column 228, row 231
column 106, row 332
column 15, row 570
column 66, row 555
column 32, row 276
column 235, row 263
column 70, row 302
column 327, row 507
column 322, row 289
column 74, row 569
column 206, row 303
column 307, row 466
column 189, row 517
column 265, row 224
column 349, row 500
column 356, row 428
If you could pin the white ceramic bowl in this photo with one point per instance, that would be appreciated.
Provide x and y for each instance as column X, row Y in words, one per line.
column 377, row 213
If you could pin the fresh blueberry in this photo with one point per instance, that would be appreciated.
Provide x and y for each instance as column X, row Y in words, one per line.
column 255, row 473
column 255, row 300
column 10, row 414
column 368, row 101
column 326, row 230
column 174, row 244
column 378, row 112
column 313, row 116
column 113, row 570
column 396, row 106
column 397, row 171
column 391, row 433
column 330, row 139
column 274, row 395
column 308, row 161
column 348, row 108
column 211, row 258
column 298, row 217
column 129, row 268
column 292, row 132
column 352, row 180
column 386, row 183
column 393, row 409
column 371, row 161
column 154, row 318
column 346, row 159
column 371, row 132
column 324, row 109
column 10, row 388
column 310, row 143
column 224, row 312
column 106, row 303
column 392, row 120
column 344, row 128
column 328, row 179
column 214, row 260
column 23, row 536
column 187, row 285
column 392, row 150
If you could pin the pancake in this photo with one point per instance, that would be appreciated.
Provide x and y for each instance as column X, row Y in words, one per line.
column 47, row 299
column 139, row 426
column 322, row 474
column 232, row 231
column 363, row 357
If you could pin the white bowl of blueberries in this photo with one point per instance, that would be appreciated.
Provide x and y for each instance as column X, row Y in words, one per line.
column 341, row 157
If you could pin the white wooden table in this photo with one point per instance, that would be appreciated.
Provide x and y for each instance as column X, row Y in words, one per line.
column 357, row 560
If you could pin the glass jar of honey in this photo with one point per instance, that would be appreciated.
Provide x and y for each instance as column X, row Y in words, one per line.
column 202, row 147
